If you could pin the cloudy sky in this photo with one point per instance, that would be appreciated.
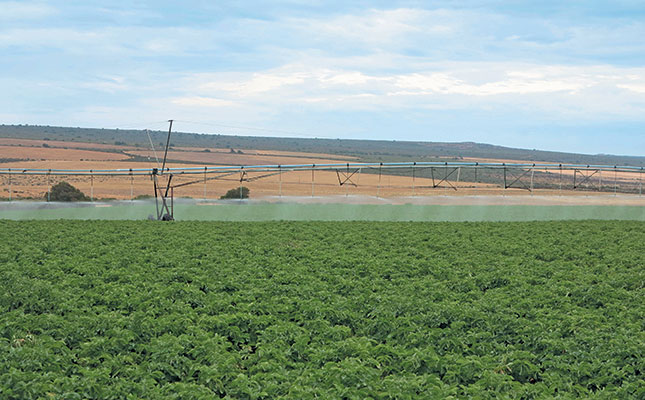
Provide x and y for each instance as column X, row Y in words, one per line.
column 556, row 75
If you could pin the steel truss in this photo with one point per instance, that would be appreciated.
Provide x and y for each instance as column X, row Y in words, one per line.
column 517, row 178
column 586, row 177
column 446, row 176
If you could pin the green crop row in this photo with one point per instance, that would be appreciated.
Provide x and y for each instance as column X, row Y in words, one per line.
column 334, row 310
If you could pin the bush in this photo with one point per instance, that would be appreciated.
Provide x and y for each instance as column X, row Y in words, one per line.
column 237, row 193
column 63, row 191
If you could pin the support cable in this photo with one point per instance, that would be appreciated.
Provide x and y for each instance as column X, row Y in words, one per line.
column 153, row 148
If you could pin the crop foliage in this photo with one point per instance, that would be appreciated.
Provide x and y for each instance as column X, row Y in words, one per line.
column 201, row 310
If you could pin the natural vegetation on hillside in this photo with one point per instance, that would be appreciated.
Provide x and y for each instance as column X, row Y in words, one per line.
column 366, row 150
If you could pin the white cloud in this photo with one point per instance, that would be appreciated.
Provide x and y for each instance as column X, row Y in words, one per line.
column 515, row 83
column 633, row 87
column 255, row 84
column 347, row 78
column 15, row 11
column 379, row 28
column 107, row 84
column 551, row 88
column 130, row 42
column 198, row 101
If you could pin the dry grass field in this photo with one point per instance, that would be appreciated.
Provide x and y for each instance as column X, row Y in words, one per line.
column 48, row 153
column 597, row 177
column 265, row 153
column 292, row 183
column 91, row 156
column 61, row 144
column 229, row 158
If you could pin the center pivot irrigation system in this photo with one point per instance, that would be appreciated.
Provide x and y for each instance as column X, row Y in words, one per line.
column 424, row 175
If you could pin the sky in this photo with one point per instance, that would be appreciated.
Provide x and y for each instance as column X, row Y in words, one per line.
column 550, row 75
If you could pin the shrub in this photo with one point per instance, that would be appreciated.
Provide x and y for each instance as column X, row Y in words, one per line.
column 237, row 193
column 63, row 191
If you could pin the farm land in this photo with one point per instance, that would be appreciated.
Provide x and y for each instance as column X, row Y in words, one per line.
column 16, row 153
column 26, row 153
column 264, row 310
column 303, row 310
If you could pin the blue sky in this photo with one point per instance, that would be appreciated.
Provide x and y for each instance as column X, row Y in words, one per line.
column 551, row 75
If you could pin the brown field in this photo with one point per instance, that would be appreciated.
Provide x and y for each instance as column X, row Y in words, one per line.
column 294, row 154
column 253, row 152
column 604, row 177
column 112, row 147
column 228, row 158
column 502, row 160
column 291, row 183
column 262, row 185
column 43, row 153
column 58, row 143
column 89, row 165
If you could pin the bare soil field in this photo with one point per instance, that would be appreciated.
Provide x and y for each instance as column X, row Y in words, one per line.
column 253, row 152
column 112, row 148
column 72, row 155
column 600, row 176
column 294, row 154
column 364, row 188
column 589, row 178
column 502, row 160
column 62, row 144
column 88, row 164
column 292, row 183
column 44, row 153
column 228, row 158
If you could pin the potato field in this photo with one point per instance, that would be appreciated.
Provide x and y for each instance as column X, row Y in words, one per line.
column 322, row 310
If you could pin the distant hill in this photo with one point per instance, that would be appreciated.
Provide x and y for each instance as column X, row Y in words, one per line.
column 365, row 150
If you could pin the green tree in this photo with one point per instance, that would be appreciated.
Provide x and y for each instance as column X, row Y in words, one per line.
column 237, row 193
column 63, row 191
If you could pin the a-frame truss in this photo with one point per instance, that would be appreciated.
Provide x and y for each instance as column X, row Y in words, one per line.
column 586, row 176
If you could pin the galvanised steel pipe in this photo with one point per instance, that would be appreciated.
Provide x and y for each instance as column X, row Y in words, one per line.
column 308, row 167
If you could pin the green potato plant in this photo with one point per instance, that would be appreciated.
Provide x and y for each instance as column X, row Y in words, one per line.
column 304, row 310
